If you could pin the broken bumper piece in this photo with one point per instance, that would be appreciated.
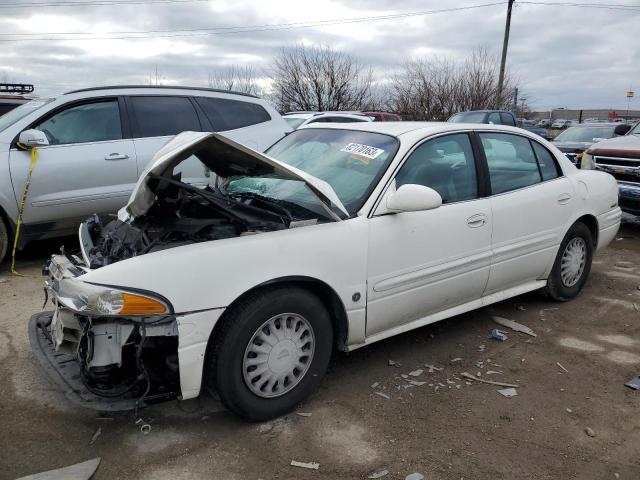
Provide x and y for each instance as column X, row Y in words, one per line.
column 65, row 371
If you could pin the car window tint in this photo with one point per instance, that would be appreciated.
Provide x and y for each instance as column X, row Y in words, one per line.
column 90, row 122
column 445, row 164
column 225, row 114
column 511, row 161
column 548, row 166
column 161, row 116
column 494, row 118
column 507, row 119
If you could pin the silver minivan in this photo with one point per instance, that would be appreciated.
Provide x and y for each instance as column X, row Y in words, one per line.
column 93, row 144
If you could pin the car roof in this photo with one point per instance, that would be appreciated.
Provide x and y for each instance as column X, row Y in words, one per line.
column 398, row 129
column 596, row 124
column 163, row 87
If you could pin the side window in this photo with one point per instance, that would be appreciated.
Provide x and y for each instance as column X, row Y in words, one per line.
column 494, row 118
column 445, row 164
column 161, row 116
column 512, row 163
column 507, row 119
column 225, row 114
column 548, row 166
column 89, row 122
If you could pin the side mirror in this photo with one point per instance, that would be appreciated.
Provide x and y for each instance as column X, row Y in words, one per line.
column 33, row 138
column 622, row 129
column 413, row 198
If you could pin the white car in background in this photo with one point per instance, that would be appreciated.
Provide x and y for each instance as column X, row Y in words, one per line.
column 94, row 143
column 300, row 119
column 337, row 237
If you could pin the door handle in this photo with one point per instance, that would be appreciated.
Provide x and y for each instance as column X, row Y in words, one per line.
column 476, row 221
column 116, row 156
column 564, row 199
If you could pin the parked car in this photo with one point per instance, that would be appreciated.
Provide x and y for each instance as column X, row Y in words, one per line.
column 94, row 143
column 13, row 95
column 384, row 116
column 560, row 123
column 575, row 140
column 339, row 236
column 544, row 123
column 620, row 156
column 300, row 119
column 494, row 117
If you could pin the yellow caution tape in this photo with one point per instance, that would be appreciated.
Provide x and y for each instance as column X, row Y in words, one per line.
column 23, row 201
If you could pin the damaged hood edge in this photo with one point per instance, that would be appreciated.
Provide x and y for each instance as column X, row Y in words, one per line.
column 232, row 157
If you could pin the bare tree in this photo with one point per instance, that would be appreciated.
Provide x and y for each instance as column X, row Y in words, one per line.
column 436, row 88
column 238, row 78
column 319, row 78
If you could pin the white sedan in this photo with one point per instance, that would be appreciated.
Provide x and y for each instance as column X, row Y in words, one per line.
column 339, row 236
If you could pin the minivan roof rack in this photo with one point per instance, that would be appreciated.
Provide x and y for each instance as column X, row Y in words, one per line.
column 16, row 88
column 205, row 89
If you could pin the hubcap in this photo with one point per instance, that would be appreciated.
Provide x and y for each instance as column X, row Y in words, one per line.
column 278, row 355
column 574, row 259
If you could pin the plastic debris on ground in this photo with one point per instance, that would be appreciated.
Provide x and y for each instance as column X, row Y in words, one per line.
column 393, row 363
column 304, row 414
column 383, row 395
column 414, row 476
column 309, row 465
column 432, row 368
column 95, row 436
column 482, row 380
column 454, row 360
column 634, row 383
column 79, row 471
column 515, row 326
column 508, row 392
column 416, row 373
column 499, row 335
column 589, row 431
column 563, row 369
column 380, row 474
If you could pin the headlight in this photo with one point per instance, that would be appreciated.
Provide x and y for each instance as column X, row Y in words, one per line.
column 97, row 300
column 587, row 161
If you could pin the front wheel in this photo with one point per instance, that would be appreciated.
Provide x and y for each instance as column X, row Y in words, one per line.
column 572, row 265
column 271, row 352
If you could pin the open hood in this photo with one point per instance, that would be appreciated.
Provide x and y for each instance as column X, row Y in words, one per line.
column 225, row 158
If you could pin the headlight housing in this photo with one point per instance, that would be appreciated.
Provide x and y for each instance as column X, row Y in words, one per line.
column 105, row 301
column 586, row 163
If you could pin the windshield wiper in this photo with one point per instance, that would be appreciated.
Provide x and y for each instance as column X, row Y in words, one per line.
column 270, row 202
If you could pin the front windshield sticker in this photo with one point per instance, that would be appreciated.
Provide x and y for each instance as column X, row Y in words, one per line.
column 362, row 150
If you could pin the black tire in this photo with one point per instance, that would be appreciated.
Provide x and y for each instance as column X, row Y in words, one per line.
column 556, row 288
column 4, row 239
column 224, row 363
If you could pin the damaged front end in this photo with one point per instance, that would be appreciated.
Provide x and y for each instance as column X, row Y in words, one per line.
column 109, row 349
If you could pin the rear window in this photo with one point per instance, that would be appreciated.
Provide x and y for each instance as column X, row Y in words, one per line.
column 162, row 116
column 225, row 114
column 468, row 117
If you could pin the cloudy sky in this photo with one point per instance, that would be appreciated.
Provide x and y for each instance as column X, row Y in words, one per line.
column 564, row 56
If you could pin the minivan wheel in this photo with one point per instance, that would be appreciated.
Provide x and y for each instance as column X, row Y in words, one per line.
column 4, row 239
column 271, row 352
column 572, row 264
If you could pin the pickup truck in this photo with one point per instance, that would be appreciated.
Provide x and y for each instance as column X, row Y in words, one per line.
column 495, row 117
column 619, row 156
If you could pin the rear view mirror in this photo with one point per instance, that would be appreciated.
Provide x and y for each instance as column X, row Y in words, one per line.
column 32, row 138
column 622, row 129
column 413, row 198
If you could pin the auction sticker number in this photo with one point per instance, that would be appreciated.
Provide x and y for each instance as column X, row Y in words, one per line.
column 362, row 150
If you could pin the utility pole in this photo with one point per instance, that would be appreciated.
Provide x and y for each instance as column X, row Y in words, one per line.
column 503, row 61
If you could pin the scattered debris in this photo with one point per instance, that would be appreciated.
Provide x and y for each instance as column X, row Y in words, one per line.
column 309, row 465
column 454, row 360
column 432, row 368
column 375, row 384
column 481, row 348
column 95, row 436
column 145, row 428
column 634, row 383
column 393, row 363
column 379, row 474
column 508, row 392
column 414, row 476
column 500, row 384
column 569, row 410
column 560, row 365
column 415, row 383
column 499, row 335
column 79, row 471
column 404, row 375
column 493, row 372
column 205, row 417
column 515, row 326
column 383, row 395
column 304, row 414
column 416, row 373
column 589, row 431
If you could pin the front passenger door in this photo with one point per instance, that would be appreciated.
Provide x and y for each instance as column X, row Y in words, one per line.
column 424, row 262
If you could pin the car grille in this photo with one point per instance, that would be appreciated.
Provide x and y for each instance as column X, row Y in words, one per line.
column 623, row 169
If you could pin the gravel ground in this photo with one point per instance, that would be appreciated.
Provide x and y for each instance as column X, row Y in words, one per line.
column 460, row 430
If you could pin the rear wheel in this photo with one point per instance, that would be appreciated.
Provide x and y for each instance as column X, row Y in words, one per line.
column 271, row 352
column 572, row 265
column 4, row 239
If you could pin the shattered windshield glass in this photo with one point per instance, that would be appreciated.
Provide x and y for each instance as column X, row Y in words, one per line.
column 351, row 162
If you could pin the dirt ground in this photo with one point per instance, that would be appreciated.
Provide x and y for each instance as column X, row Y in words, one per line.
column 455, row 431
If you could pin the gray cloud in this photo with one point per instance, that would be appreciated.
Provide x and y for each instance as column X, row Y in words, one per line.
column 562, row 56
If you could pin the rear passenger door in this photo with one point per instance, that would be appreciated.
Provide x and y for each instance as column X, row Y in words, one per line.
column 156, row 119
column 531, row 206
